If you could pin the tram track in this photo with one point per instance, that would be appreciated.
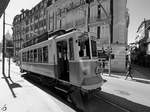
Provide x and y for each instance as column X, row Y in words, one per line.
column 123, row 109
column 60, row 95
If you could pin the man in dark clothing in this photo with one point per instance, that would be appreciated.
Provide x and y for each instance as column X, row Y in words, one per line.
column 129, row 71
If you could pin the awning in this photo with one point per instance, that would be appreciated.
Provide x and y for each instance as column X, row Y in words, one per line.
column 3, row 5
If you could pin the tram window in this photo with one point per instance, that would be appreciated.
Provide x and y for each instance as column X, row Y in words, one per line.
column 31, row 56
column 45, row 54
column 25, row 59
column 94, row 49
column 23, row 56
column 71, row 51
column 35, row 55
column 40, row 55
column 28, row 56
column 84, row 49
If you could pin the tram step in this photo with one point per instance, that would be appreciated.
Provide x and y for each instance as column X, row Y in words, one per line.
column 65, row 91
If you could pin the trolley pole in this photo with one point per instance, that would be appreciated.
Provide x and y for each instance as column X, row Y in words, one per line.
column 88, row 28
column 3, row 64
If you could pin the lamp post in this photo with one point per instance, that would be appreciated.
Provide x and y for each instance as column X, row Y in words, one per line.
column 9, row 56
column 108, row 17
column 4, row 47
column 3, row 64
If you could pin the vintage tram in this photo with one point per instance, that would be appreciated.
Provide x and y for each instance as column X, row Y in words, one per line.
column 68, row 59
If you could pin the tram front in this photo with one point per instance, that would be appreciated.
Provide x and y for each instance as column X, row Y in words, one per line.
column 83, row 67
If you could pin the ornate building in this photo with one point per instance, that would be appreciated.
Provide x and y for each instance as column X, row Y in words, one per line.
column 143, row 42
column 18, row 31
column 28, row 25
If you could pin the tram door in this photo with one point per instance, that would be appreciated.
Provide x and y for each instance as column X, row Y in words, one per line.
column 63, row 62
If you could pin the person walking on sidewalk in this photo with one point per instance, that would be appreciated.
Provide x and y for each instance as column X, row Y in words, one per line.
column 129, row 70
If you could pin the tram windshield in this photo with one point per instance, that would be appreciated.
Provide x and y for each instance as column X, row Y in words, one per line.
column 93, row 46
column 84, row 45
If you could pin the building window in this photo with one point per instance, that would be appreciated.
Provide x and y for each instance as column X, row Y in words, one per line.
column 99, row 12
column 27, row 22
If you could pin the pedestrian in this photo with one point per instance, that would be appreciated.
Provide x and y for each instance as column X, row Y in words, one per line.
column 129, row 71
column 102, row 65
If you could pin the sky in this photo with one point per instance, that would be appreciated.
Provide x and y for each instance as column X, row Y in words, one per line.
column 14, row 7
column 138, row 10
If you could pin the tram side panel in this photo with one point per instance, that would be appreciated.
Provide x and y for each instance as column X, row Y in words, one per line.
column 82, row 73
column 47, row 69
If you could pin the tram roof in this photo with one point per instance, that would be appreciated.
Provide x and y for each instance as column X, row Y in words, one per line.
column 49, row 39
column 36, row 45
column 66, row 34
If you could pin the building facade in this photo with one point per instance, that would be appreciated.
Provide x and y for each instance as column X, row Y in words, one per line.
column 28, row 25
column 143, row 41
column 110, row 25
column 108, row 19
column 18, row 31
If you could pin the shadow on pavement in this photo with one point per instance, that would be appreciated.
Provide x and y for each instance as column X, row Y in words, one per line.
column 11, row 85
column 92, row 103
column 51, row 91
column 123, row 102
column 141, row 81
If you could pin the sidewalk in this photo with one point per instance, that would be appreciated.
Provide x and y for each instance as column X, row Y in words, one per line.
column 141, row 72
column 18, row 95
column 131, row 94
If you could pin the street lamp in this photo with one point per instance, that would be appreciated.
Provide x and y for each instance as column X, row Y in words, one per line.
column 9, row 55
column 3, row 50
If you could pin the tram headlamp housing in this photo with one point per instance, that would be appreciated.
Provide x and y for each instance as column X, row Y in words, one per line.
column 85, row 72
